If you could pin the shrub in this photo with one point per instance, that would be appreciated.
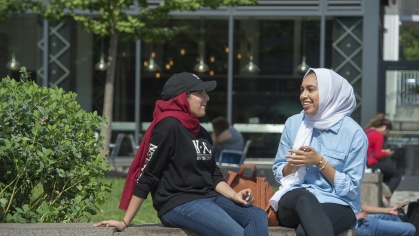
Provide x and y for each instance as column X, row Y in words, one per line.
column 49, row 155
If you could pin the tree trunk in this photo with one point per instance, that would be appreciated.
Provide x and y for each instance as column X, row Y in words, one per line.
column 109, row 89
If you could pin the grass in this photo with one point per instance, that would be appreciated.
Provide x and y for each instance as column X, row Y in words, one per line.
column 111, row 211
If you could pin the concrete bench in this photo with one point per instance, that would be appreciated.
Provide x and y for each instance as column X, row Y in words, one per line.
column 158, row 229
column 371, row 189
column 84, row 229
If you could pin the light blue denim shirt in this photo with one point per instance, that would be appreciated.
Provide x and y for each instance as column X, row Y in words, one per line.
column 344, row 146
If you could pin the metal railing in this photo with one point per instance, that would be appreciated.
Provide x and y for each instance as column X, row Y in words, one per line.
column 406, row 83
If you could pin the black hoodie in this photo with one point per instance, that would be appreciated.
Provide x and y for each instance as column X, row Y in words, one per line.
column 179, row 168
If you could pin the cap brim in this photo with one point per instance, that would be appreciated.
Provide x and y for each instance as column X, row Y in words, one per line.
column 207, row 86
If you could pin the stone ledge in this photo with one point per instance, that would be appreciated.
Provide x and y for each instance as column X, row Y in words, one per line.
column 54, row 229
column 84, row 229
column 372, row 178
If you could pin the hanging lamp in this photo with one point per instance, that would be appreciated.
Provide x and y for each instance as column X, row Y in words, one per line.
column 251, row 67
column 13, row 64
column 152, row 66
column 303, row 67
column 201, row 67
column 101, row 65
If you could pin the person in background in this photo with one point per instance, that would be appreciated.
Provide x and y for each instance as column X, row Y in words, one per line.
column 321, row 159
column 175, row 163
column 226, row 136
column 380, row 221
column 376, row 130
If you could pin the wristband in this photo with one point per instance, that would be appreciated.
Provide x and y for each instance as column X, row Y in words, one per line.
column 320, row 162
column 323, row 166
column 125, row 223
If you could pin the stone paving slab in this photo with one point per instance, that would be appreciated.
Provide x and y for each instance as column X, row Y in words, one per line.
column 158, row 229
column 400, row 197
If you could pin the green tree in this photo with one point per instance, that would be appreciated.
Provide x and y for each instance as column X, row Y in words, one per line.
column 109, row 17
column 14, row 6
column 409, row 39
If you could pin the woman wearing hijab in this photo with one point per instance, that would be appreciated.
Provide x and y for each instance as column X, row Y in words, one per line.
column 176, row 164
column 321, row 158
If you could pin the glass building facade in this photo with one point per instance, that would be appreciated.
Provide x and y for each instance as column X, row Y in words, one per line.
column 253, row 52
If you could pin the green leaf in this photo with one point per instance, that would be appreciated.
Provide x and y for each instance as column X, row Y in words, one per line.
column 3, row 202
column 41, row 110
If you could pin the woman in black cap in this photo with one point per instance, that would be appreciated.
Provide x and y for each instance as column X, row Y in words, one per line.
column 176, row 164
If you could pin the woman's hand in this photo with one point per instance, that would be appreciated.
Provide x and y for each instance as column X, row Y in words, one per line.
column 362, row 215
column 244, row 197
column 304, row 156
column 112, row 223
column 393, row 210
column 388, row 151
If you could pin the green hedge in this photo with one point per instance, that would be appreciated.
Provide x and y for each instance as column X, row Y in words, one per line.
column 49, row 155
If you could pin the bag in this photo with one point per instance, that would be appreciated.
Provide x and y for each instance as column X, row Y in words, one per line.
column 260, row 187
column 401, row 214
column 413, row 215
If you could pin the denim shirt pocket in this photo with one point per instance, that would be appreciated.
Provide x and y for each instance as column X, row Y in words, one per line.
column 335, row 159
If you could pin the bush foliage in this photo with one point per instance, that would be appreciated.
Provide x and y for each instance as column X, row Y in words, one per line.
column 49, row 155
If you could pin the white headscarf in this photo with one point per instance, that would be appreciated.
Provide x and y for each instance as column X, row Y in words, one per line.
column 336, row 100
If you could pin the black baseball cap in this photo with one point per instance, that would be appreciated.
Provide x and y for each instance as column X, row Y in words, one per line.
column 183, row 82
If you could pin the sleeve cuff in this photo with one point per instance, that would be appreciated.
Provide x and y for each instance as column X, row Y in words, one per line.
column 141, row 193
column 217, row 181
column 339, row 183
column 278, row 172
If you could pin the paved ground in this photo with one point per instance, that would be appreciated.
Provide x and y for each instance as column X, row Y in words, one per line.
column 400, row 197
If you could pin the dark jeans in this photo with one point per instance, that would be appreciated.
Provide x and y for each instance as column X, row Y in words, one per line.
column 391, row 176
column 300, row 209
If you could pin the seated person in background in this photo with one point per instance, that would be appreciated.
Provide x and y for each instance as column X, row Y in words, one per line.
column 376, row 130
column 226, row 136
column 382, row 221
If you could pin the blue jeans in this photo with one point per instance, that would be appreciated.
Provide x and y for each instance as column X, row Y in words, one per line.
column 385, row 225
column 217, row 216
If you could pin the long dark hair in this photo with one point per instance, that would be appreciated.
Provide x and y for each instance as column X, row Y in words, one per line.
column 378, row 121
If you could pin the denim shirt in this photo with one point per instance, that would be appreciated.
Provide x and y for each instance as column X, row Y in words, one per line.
column 344, row 146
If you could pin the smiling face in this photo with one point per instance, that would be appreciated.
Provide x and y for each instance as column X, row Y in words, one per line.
column 198, row 102
column 309, row 94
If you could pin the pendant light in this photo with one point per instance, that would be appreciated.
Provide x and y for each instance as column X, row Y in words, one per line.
column 152, row 66
column 251, row 67
column 201, row 67
column 101, row 65
column 13, row 64
column 303, row 67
